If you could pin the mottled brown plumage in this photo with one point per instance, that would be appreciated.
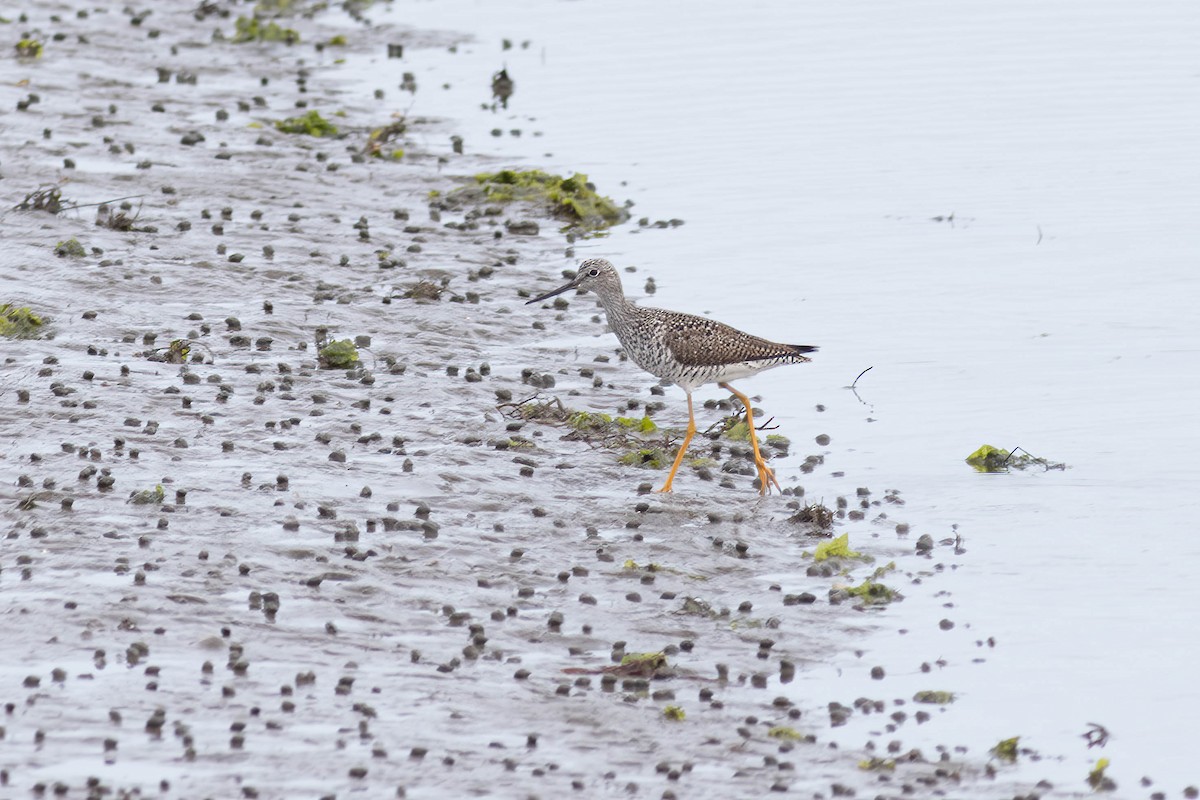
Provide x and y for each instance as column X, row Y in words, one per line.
column 684, row 349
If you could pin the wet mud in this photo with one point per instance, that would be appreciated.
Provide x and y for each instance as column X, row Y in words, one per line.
column 235, row 564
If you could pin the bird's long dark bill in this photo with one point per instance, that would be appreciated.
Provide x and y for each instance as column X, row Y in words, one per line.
column 548, row 295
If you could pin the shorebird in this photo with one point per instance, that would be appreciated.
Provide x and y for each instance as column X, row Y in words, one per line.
column 684, row 349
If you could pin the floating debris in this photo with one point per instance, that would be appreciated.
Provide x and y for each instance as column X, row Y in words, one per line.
column 995, row 459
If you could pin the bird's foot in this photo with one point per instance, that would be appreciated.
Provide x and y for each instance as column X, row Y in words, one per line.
column 766, row 478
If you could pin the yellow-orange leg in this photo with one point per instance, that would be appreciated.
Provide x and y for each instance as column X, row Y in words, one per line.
column 691, row 431
column 765, row 476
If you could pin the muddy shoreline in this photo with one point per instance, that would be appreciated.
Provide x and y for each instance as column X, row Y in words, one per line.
column 351, row 582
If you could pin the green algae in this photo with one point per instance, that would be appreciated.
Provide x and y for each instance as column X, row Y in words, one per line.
column 71, row 248
column 338, row 355
column 589, row 421
column 789, row 734
column 873, row 593
column 836, row 548
column 310, row 124
column 20, row 323
column 148, row 496
column 252, row 29
column 573, row 199
column 674, row 713
column 1007, row 749
column 646, row 457
column 1097, row 779
column 29, row 49
column 643, row 425
column 646, row 664
column 996, row 459
column 934, row 697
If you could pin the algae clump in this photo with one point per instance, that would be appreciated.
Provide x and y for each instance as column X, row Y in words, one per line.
column 29, row 48
column 836, row 548
column 71, row 248
column 251, row 29
column 148, row 496
column 934, row 697
column 339, row 355
column 996, row 459
column 989, row 459
column 587, row 421
column 873, row 593
column 1006, row 749
column 573, row 198
column 649, row 458
column 787, row 733
column 19, row 323
column 674, row 713
column 643, row 425
column 310, row 124
column 1096, row 778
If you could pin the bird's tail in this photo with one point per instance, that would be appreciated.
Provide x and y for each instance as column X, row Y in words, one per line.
column 803, row 348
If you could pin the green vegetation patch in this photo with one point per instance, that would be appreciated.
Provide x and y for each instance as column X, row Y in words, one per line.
column 873, row 593
column 1097, row 779
column 310, row 124
column 789, row 734
column 71, row 248
column 934, row 697
column 252, row 29
column 148, row 496
column 645, row 457
column 573, row 199
column 674, row 713
column 836, row 548
column 29, row 48
column 643, row 664
column 996, row 459
column 20, row 323
column 1007, row 749
column 338, row 355
column 631, row 437
column 176, row 353
column 643, row 425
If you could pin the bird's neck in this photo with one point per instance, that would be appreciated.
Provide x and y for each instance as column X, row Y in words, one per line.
column 617, row 307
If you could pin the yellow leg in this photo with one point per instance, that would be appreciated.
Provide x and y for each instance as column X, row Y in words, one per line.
column 691, row 431
column 765, row 476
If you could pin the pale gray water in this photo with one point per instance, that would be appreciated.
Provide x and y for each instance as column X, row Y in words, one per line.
column 808, row 146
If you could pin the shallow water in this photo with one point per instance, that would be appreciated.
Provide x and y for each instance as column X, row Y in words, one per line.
column 810, row 153
column 809, row 150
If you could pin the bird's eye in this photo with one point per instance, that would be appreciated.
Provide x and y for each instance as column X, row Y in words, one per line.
column 593, row 272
